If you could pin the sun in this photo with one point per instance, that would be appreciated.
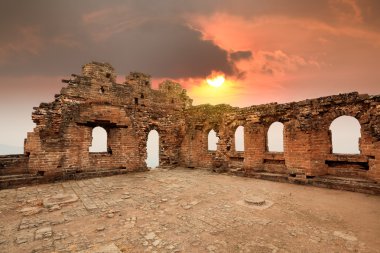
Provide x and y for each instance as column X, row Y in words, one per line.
column 216, row 80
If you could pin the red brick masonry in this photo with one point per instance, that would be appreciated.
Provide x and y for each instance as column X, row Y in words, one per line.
column 60, row 142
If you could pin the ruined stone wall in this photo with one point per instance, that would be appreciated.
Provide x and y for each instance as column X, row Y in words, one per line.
column 60, row 142
column 307, row 139
column 63, row 134
column 199, row 121
column 13, row 164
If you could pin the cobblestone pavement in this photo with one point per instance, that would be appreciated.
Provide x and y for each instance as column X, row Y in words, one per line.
column 184, row 210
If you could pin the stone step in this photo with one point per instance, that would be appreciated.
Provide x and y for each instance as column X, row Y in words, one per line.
column 333, row 182
column 348, row 184
column 12, row 171
column 11, row 181
column 96, row 173
column 15, row 176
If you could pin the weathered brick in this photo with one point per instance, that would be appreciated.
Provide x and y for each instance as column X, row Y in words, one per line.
column 128, row 111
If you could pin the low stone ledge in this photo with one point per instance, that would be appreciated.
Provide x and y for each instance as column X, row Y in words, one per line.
column 338, row 183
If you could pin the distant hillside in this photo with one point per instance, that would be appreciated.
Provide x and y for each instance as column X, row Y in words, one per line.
column 10, row 150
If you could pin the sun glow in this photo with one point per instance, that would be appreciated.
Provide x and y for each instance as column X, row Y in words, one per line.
column 215, row 80
column 228, row 91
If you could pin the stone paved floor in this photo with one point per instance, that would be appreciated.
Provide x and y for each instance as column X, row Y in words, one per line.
column 185, row 210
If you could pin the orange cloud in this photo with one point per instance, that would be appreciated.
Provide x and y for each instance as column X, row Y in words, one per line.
column 278, row 63
column 274, row 32
column 292, row 53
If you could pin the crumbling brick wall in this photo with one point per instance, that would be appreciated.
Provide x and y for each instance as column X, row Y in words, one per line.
column 13, row 164
column 61, row 139
column 127, row 111
column 307, row 138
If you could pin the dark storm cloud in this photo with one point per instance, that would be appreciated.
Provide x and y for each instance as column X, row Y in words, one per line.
column 54, row 37
column 241, row 55
column 44, row 37
column 171, row 50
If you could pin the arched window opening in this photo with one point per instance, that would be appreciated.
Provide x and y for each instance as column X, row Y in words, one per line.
column 212, row 140
column 276, row 137
column 239, row 139
column 153, row 149
column 345, row 135
column 99, row 140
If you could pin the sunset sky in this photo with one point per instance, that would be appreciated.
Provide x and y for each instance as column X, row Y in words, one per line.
column 269, row 51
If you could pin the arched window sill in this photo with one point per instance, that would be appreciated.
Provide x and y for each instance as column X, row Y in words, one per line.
column 347, row 157
column 100, row 154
